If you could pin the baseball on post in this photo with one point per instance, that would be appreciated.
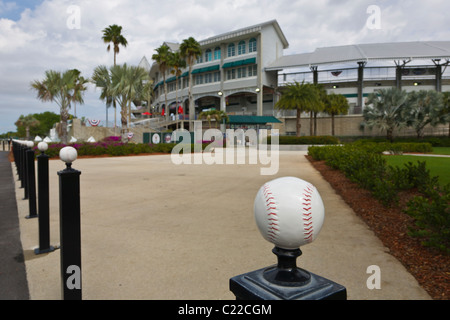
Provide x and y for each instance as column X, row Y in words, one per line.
column 289, row 212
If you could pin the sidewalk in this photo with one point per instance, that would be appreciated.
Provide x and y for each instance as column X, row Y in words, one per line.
column 13, row 281
column 155, row 230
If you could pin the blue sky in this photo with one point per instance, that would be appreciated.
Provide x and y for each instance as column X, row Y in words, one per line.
column 35, row 37
column 13, row 9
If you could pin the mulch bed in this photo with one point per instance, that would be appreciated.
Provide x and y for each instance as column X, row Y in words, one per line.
column 430, row 267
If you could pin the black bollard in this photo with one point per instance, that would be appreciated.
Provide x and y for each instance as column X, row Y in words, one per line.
column 31, row 183
column 43, row 201
column 24, row 181
column 289, row 213
column 70, row 226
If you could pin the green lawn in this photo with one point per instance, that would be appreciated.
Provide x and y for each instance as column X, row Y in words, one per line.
column 438, row 166
column 441, row 150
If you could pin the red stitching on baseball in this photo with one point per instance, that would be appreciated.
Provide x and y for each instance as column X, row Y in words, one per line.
column 272, row 232
column 308, row 226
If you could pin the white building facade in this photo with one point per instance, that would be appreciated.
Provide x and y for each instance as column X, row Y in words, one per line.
column 229, row 75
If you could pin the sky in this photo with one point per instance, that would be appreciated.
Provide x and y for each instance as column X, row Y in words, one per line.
column 37, row 35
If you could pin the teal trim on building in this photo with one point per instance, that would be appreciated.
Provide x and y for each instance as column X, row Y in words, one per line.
column 239, row 63
column 252, row 119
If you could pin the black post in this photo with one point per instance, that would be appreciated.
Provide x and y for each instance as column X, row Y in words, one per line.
column 24, row 180
column 43, row 204
column 31, row 183
column 70, row 232
column 285, row 281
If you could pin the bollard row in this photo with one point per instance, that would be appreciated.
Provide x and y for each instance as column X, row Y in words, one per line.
column 69, row 193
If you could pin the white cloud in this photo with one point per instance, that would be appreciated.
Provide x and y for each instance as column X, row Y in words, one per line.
column 40, row 39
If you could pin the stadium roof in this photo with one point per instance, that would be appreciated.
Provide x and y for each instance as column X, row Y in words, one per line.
column 396, row 51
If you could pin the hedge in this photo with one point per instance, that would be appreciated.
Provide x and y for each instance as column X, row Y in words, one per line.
column 364, row 164
column 306, row 140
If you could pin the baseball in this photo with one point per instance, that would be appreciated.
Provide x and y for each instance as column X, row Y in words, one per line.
column 289, row 212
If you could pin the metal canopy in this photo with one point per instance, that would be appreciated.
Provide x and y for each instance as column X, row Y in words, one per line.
column 420, row 50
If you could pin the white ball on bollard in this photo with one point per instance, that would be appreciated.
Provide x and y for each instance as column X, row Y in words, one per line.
column 68, row 154
column 30, row 144
column 42, row 146
column 289, row 212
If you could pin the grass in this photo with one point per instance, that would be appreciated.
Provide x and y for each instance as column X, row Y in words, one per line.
column 438, row 166
column 441, row 150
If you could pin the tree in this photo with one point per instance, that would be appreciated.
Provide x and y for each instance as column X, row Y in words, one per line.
column 177, row 64
column 190, row 49
column 423, row 108
column 26, row 122
column 102, row 79
column 126, row 86
column 218, row 115
column 58, row 87
column 298, row 96
column 334, row 105
column 384, row 109
column 78, row 89
column 446, row 109
column 163, row 58
column 113, row 34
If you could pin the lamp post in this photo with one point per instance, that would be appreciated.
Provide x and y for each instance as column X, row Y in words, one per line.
column 70, row 226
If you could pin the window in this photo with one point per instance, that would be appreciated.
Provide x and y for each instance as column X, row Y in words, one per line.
column 241, row 72
column 231, row 50
column 208, row 55
column 231, row 74
column 252, row 45
column 208, row 78
column 217, row 53
column 217, row 76
column 199, row 79
column 241, row 47
column 252, row 70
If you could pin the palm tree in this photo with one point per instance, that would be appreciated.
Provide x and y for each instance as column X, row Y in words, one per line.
column 218, row 115
column 190, row 49
column 27, row 122
column 58, row 87
column 102, row 79
column 79, row 88
column 177, row 64
column 299, row 96
column 113, row 34
column 126, row 86
column 163, row 58
column 446, row 109
column 334, row 105
column 423, row 108
column 384, row 109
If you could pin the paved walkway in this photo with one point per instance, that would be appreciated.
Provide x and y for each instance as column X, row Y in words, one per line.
column 13, row 281
column 155, row 230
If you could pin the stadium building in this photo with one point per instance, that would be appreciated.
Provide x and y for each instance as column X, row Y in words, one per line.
column 241, row 72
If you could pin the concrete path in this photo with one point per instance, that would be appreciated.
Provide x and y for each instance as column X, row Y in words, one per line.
column 155, row 230
column 13, row 280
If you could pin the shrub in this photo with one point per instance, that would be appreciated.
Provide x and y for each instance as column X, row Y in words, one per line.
column 432, row 218
column 309, row 140
column 363, row 164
